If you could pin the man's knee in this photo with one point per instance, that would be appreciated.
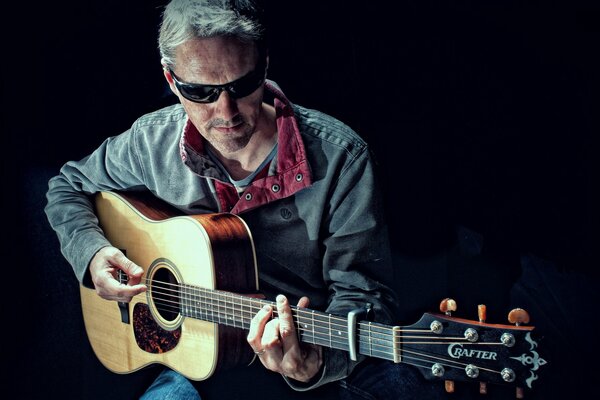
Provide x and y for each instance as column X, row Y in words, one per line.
column 170, row 385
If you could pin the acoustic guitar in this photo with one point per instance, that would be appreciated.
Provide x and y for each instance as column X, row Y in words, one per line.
column 202, row 282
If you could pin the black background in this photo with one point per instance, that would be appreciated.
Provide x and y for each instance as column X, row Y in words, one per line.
column 481, row 115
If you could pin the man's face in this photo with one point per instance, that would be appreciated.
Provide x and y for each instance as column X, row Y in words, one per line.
column 227, row 124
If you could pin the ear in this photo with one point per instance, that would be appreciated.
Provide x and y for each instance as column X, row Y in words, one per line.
column 169, row 79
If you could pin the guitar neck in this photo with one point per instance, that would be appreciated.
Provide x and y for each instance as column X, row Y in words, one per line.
column 225, row 308
column 439, row 345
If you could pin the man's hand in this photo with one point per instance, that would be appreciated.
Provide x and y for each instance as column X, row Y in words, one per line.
column 104, row 268
column 276, row 342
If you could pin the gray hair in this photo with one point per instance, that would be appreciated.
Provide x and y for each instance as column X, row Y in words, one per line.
column 187, row 19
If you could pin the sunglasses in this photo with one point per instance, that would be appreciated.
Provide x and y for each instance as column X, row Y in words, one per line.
column 237, row 89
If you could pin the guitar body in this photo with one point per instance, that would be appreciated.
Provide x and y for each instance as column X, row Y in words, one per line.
column 213, row 251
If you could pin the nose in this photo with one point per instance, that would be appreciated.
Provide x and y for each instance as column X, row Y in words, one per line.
column 225, row 106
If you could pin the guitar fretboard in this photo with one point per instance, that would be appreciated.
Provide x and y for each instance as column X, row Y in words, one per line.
column 230, row 309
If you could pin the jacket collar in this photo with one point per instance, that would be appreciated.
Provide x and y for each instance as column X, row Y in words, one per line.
column 292, row 172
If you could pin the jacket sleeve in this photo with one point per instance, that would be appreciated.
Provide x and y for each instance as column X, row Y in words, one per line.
column 113, row 166
column 357, row 262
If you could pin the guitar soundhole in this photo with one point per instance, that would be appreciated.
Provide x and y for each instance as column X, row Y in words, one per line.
column 165, row 294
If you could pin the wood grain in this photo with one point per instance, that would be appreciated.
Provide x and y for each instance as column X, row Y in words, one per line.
column 194, row 245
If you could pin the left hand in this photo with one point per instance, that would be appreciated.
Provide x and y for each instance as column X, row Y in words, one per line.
column 276, row 342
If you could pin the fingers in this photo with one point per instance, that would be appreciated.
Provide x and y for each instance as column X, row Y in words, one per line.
column 133, row 271
column 276, row 343
column 104, row 269
column 111, row 289
column 287, row 330
column 257, row 328
column 303, row 302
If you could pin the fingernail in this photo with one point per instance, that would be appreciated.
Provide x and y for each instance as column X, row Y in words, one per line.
column 281, row 299
column 267, row 307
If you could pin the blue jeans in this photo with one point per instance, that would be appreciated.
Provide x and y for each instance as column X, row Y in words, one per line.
column 373, row 379
column 170, row 385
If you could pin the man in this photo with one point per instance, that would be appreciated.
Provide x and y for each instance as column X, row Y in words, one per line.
column 302, row 181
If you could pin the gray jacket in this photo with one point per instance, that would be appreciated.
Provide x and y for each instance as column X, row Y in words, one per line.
column 316, row 217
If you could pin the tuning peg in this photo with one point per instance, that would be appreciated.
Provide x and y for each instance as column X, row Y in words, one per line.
column 447, row 306
column 482, row 312
column 518, row 316
column 482, row 388
column 449, row 386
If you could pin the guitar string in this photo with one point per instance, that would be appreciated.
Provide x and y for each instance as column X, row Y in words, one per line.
column 368, row 341
column 403, row 352
column 329, row 317
column 252, row 309
column 224, row 309
column 217, row 304
column 370, row 344
column 406, row 353
column 223, row 298
column 173, row 307
column 253, row 302
column 221, row 312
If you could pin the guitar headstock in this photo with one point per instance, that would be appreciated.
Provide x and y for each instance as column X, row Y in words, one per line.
column 456, row 349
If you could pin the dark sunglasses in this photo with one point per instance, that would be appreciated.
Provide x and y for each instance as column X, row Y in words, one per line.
column 237, row 89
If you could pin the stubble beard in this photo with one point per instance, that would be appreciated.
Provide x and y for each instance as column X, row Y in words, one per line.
column 232, row 142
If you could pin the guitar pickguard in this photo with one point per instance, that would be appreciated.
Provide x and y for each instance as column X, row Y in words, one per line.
column 149, row 336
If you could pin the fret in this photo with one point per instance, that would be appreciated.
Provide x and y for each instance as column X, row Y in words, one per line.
column 312, row 315
column 217, row 308
column 329, row 326
column 324, row 329
column 183, row 303
column 240, row 315
column 325, row 341
column 370, row 341
column 245, row 306
column 195, row 302
column 187, row 301
column 233, row 317
column 229, row 320
column 209, row 307
column 188, row 298
column 376, row 340
column 323, row 324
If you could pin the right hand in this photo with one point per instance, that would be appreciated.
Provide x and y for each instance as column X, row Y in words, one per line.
column 104, row 268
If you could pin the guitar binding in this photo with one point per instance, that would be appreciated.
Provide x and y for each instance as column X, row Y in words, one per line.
column 163, row 295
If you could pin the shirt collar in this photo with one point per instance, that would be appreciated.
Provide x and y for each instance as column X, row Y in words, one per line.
column 290, row 154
